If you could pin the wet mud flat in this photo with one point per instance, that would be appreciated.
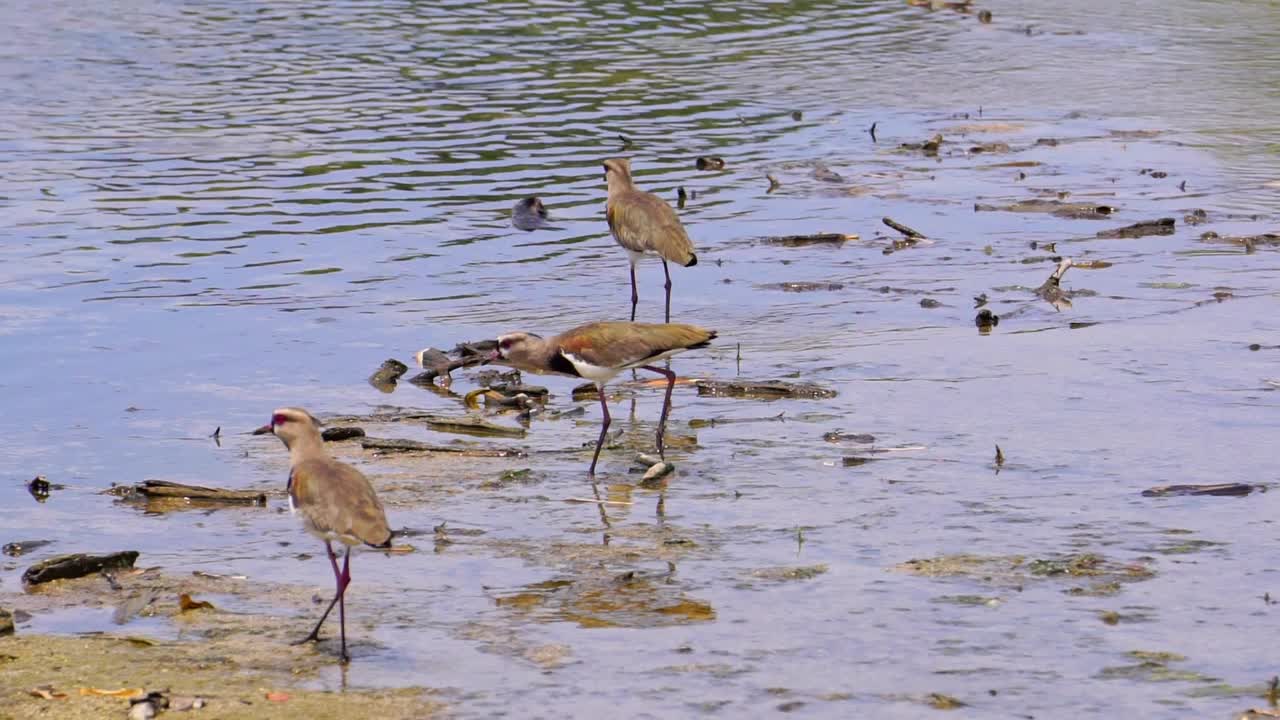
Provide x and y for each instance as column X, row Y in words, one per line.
column 986, row 431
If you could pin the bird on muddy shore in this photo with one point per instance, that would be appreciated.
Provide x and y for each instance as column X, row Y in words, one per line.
column 598, row 351
column 336, row 501
column 643, row 223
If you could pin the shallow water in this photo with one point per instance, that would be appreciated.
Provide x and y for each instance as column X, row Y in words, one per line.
column 210, row 210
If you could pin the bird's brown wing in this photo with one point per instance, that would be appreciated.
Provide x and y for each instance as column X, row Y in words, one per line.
column 623, row 344
column 643, row 222
column 337, row 498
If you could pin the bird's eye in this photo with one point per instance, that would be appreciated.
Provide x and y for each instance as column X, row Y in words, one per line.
column 504, row 344
column 278, row 419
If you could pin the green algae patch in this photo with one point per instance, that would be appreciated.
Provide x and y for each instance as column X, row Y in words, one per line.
column 1107, row 576
column 233, row 676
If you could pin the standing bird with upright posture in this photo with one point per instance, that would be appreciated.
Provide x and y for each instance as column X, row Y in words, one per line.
column 336, row 501
column 599, row 351
column 643, row 223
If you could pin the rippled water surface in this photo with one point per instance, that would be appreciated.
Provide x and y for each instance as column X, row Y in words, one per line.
column 208, row 210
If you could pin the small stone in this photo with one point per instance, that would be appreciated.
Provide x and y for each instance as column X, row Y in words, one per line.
column 6, row 622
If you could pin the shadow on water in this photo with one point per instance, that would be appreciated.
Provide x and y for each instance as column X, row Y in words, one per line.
column 212, row 210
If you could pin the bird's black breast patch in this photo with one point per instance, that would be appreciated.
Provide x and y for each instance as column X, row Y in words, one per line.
column 561, row 364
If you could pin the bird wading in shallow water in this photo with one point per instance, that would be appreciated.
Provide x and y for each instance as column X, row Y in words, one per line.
column 643, row 223
column 336, row 502
column 599, row 351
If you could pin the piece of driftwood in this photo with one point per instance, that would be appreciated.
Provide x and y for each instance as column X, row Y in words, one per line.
column 387, row 445
column 1162, row 226
column 909, row 232
column 762, row 390
column 165, row 489
column 65, row 567
column 470, row 425
column 1228, row 489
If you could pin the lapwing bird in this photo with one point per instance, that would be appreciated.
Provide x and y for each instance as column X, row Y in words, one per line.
column 643, row 223
column 336, row 502
column 598, row 352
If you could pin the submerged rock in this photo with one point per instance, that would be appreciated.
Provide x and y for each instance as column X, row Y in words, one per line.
column 385, row 377
column 6, row 622
column 335, row 434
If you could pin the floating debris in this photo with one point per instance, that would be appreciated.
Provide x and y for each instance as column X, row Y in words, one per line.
column 928, row 147
column 1162, row 226
column 1085, row 211
column 841, row 436
column 986, row 320
column 803, row 286
column 1196, row 217
column 1051, row 290
column 6, row 622
column 856, row 460
column 999, row 457
column 773, row 183
column 22, row 547
column 909, row 232
column 807, row 240
column 763, row 390
column 930, row 303
column 1220, row 489
column 40, row 487
column 826, row 174
column 337, row 434
column 66, row 567
column 386, row 376
column 529, row 214
column 709, row 162
column 938, row 701
column 989, row 147
column 656, row 472
column 984, row 17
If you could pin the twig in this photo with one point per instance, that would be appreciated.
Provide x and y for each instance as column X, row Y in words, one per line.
column 903, row 228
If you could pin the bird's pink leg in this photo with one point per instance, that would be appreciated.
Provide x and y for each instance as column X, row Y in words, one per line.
column 666, row 272
column 337, row 579
column 604, row 406
column 666, row 403
column 342, row 603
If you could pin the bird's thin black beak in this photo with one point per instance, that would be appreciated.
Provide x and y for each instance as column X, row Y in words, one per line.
column 264, row 430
